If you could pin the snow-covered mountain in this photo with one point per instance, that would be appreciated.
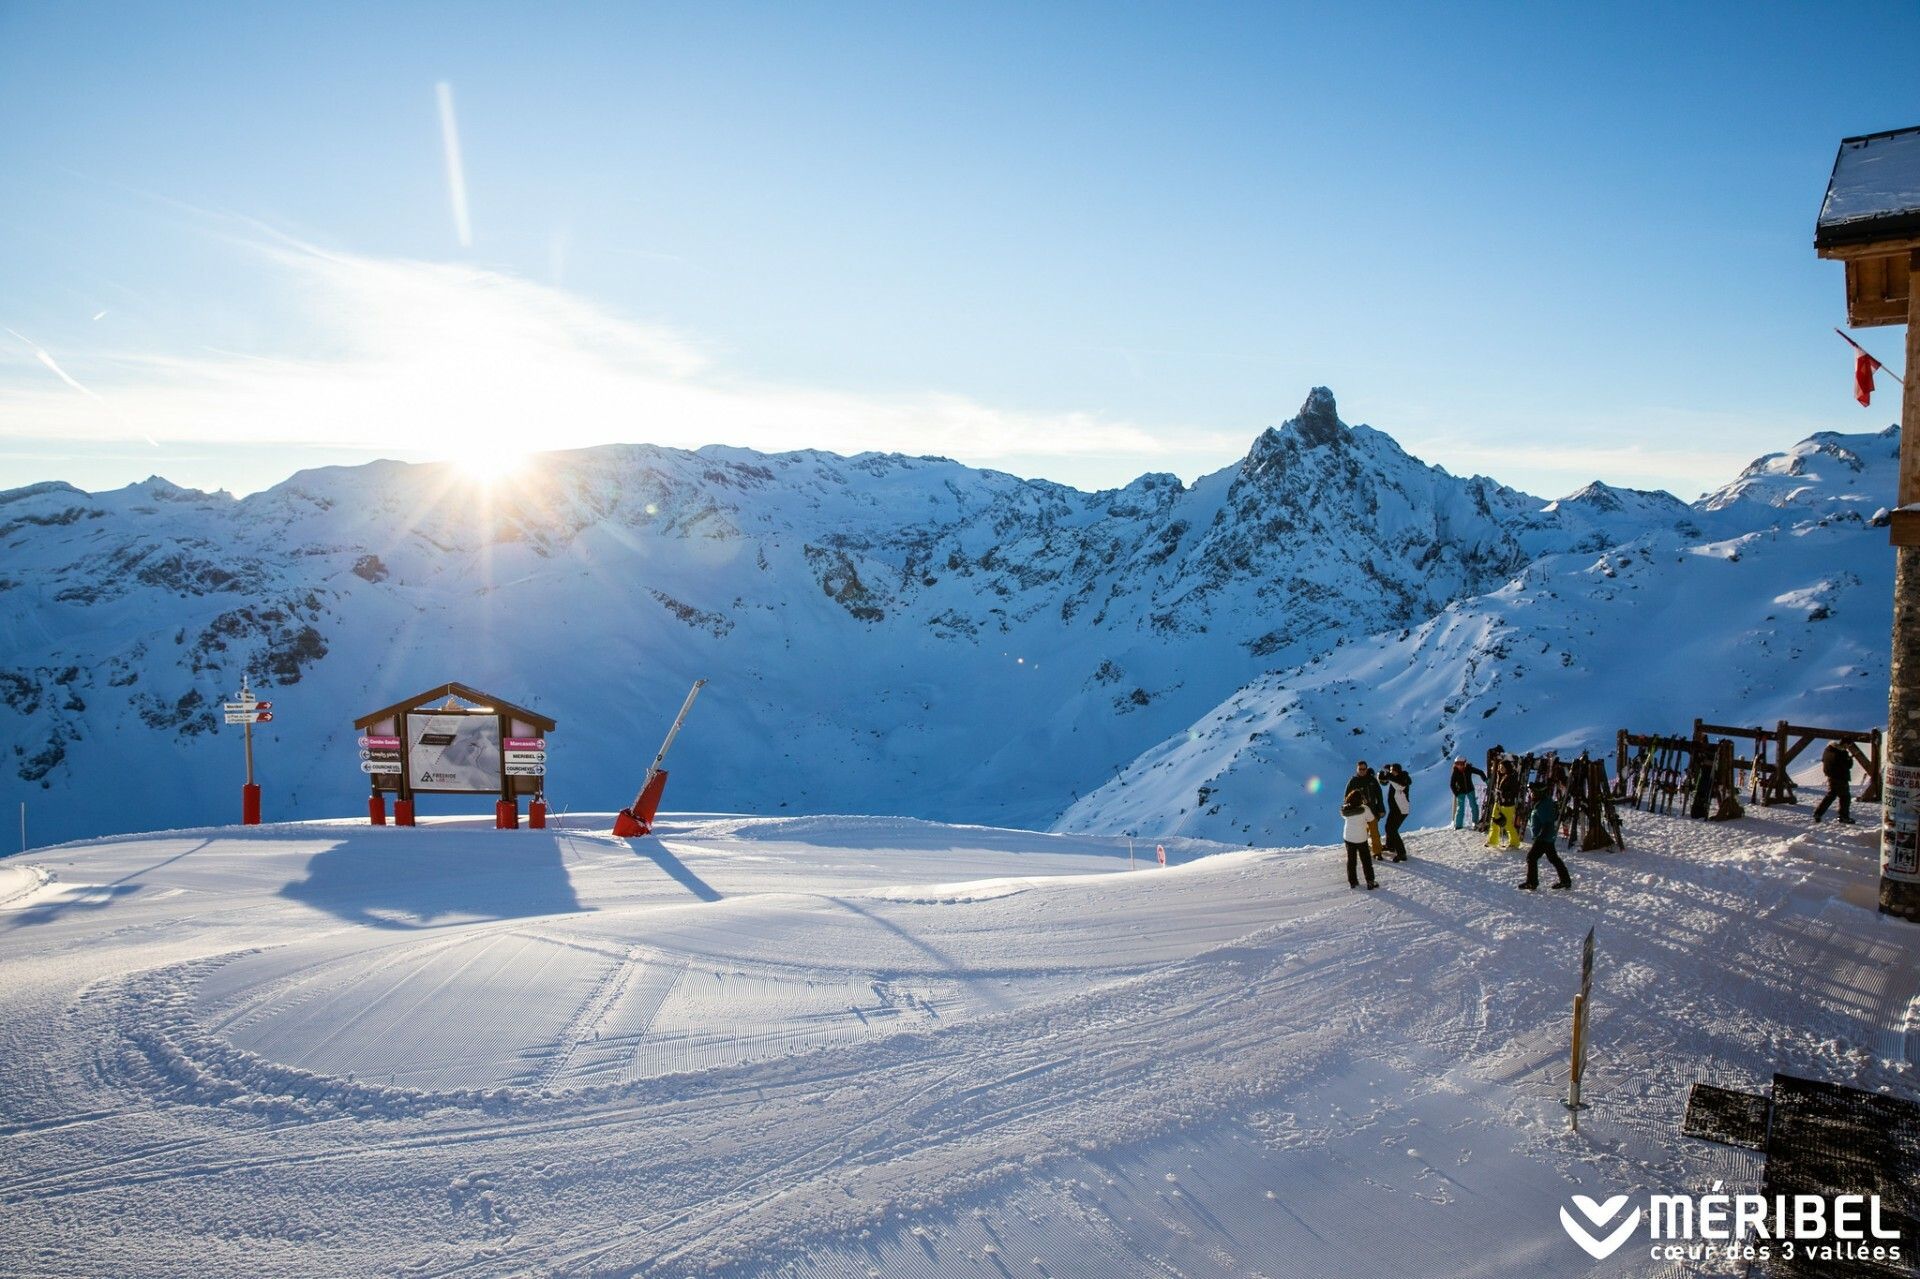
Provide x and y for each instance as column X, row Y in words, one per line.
column 1770, row 598
column 888, row 634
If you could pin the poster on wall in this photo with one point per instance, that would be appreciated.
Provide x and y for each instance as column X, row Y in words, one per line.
column 453, row 752
column 1900, row 830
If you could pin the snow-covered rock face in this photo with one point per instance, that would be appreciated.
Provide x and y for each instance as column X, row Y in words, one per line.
column 884, row 633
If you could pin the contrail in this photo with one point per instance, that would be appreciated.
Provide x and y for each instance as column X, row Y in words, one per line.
column 48, row 360
column 46, row 357
column 456, row 172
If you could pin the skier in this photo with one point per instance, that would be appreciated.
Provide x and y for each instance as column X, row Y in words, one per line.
column 1504, row 797
column 1837, row 763
column 1358, row 818
column 1399, row 793
column 1461, row 784
column 1541, row 824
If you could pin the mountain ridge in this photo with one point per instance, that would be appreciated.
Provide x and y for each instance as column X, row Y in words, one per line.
column 886, row 633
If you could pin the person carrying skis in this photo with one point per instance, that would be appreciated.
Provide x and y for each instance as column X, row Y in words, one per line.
column 1461, row 784
column 1543, row 824
column 1504, row 792
column 1399, row 795
column 1358, row 819
column 1837, row 763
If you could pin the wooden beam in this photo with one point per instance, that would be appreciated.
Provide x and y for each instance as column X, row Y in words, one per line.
column 1870, row 249
column 1793, row 750
column 1833, row 734
column 1722, row 730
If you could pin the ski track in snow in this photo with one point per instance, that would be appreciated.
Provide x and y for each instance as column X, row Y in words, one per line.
column 886, row 1046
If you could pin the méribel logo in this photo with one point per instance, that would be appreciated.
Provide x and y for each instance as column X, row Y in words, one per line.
column 1599, row 1214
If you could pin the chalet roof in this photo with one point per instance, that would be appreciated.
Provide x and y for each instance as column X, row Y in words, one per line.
column 421, row 701
column 1874, row 193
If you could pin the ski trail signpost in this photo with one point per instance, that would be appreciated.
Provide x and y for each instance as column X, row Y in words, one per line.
column 454, row 739
column 245, row 711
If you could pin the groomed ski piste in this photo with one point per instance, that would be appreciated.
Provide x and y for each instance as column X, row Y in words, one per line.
column 879, row 1046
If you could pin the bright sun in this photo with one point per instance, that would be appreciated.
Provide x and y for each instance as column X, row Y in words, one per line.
column 491, row 466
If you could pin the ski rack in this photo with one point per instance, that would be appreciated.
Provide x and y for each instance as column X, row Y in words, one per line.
column 1706, row 778
column 1588, row 818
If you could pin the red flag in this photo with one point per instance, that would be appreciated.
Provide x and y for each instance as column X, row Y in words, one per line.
column 1863, row 378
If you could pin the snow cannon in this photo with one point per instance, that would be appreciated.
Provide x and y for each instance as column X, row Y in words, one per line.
column 637, row 819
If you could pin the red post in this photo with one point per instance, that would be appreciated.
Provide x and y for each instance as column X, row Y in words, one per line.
column 537, row 815
column 249, row 805
column 403, row 812
column 506, row 815
column 377, row 809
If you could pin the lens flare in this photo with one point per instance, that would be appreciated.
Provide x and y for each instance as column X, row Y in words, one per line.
column 1313, row 786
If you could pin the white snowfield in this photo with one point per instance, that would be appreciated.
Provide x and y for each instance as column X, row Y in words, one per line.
column 831, row 1046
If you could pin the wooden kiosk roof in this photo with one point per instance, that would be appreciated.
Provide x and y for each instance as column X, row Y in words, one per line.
column 1871, row 221
column 1874, row 193
column 467, row 692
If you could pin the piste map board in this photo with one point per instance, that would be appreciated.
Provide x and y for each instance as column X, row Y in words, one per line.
column 458, row 754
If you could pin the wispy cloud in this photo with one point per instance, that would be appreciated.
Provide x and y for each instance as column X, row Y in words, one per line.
column 421, row 359
column 1555, row 461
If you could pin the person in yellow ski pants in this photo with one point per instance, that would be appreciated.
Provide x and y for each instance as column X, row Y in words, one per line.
column 1504, row 821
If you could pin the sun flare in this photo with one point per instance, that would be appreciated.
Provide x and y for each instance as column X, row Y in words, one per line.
column 491, row 466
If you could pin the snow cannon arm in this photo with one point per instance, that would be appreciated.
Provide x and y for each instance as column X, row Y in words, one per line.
column 638, row 819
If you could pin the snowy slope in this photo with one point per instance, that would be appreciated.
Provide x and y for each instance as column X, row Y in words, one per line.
column 884, row 633
column 831, row 1046
column 1768, row 599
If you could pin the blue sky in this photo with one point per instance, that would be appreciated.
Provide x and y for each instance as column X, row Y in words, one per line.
column 1547, row 243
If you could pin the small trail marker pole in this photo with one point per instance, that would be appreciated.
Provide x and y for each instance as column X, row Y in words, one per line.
column 1160, row 851
column 23, row 825
column 23, row 809
column 1577, row 1064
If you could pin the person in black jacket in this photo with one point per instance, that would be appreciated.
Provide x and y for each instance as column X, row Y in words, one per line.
column 1399, row 794
column 1364, row 784
column 1461, row 784
column 1837, row 763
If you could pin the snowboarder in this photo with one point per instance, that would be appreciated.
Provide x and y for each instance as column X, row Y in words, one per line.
column 1399, row 794
column 1504, row 799
column 1358, row 819
column 1837, row 763
column 1542, row 825
column 1461, row 784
